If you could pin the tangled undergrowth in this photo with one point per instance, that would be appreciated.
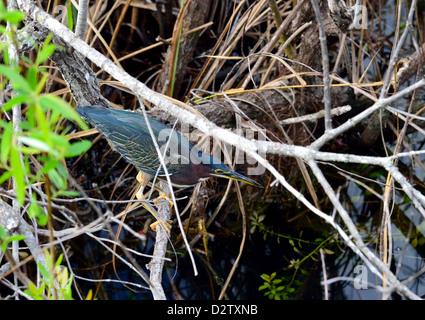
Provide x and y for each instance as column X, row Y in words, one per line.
column 254, row 68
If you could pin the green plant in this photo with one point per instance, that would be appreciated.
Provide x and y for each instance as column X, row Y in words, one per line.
column 284, row 287
column 55, row 282
column 276, row 289
column 5, row 239
column 42, row 133
column 34, row 148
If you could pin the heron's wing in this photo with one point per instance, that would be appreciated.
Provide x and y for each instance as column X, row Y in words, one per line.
column 128, row 134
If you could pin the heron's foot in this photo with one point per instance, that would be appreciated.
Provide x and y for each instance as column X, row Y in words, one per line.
column 164, row 196
column 143, row 179
column 165, row 224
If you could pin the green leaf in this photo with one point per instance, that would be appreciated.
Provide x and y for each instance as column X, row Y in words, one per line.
column 29, row 150
column 265, row 277
column 41, row 83
column 3, row 233
column 42, row 124
column 60, row 141
column 59, row 260
column 68, row 193
column 44, row 272
column 17, row 237
column 45, row 52
column 77, row 148
column 6, row 142
column 5, row 176
column 57, row 180
column 38, row 144
column 70, row 19
column 14, row 16
column 62, row 170
column 19, row 174
column 42, row 220
column 18, row 82
column 17, row 100
column 49, row 164
column 32, row 289
column 55, row 103
column 264, row 286
column 35, row 211
column 32, row 77
column 30, row 118
column 5, row 50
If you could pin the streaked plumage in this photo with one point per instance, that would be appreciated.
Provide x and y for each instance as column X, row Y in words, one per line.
column 128, row 134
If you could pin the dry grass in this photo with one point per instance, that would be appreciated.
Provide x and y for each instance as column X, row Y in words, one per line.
column 247, row 61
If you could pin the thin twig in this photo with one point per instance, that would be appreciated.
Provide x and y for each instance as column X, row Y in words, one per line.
column 395, row 53
column 81, row 26
column 315, row 116
column 325, row 65
column 325, row 275
column 367, row 255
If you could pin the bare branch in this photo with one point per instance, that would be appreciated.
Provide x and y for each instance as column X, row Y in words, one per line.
column 81, row 26
column 325, row 64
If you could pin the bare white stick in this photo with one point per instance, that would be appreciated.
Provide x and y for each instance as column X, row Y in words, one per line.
column 395, row 53
column 325, row 275
column 81, row 27
column 315, row 116
column 325, row 65
column 372, row 259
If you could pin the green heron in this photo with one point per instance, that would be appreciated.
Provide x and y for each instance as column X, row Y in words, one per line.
column 127, row 133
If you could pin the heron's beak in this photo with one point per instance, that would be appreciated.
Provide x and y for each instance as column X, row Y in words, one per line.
column 232, row 175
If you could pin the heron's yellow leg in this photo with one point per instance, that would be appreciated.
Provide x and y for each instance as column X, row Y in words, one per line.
column 163, row 195
column 143, row 179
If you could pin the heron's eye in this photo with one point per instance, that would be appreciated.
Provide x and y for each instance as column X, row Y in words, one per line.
column 218, row 171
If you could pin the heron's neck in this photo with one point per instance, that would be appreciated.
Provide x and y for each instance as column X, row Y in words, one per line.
column 190, row 175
